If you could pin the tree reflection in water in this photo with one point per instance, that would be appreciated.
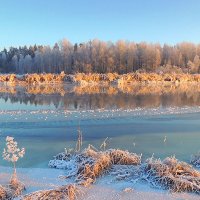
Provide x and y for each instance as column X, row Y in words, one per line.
column 108, row 97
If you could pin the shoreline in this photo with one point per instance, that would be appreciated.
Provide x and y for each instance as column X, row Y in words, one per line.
column 106, row 186
column 39, row 179
column 102, row 79
column 65, row 88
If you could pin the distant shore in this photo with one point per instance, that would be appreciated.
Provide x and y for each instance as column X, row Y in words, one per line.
column 101, row 79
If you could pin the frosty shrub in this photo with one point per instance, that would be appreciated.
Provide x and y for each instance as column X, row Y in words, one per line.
column 12, row 153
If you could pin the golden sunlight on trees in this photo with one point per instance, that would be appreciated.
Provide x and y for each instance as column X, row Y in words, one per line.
column 97, row 56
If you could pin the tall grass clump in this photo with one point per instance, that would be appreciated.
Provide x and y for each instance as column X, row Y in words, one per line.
column 68, row 192
column 92, row 163
column 172, row 175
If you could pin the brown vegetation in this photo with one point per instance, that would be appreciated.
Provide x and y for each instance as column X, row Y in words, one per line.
column 92, row 167
column 67, row 192
column 14, row 189
column 120, row 157
column 92, row 163
column 32, row 78
column 5, row 193
column 169, row 174
column 172, row 174
column 16, row 186
column 101, row 79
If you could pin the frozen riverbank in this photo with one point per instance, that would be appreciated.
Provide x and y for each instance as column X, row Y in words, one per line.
column 105, row 188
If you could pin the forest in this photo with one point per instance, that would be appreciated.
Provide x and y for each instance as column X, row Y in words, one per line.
column 97, row 56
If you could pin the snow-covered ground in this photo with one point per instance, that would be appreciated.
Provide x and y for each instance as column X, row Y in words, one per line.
column 106, row 187
column 34, row 178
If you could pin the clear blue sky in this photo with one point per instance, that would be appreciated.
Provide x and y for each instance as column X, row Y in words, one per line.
column 47, row 21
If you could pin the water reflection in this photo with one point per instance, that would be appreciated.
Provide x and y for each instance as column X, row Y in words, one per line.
column 108, row 97
column 46, row 131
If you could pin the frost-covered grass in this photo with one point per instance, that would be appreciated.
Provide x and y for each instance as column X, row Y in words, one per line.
column 11, row 190
column 89, row 164
column 84, row 167
column 169, row 174
column 124, row 169
column 195, row 160
column 67, row 192
column 95, row 78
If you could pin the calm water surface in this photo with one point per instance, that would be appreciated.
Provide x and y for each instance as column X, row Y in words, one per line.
column 45, row 120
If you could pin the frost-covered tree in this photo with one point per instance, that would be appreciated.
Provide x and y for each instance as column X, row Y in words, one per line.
column 15, row 63
column 21, row 65
column 66, row 55
column 196, row 63
column 99, row 57
column 28, row 64
column 12, row 153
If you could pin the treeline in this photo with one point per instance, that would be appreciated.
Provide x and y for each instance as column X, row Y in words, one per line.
column 101, row 57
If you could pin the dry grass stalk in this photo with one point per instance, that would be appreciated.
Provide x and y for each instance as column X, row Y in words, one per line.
column 68, row 192
column 104, row 144
column 95, row 164
column 14, row 189
column 16, row 186
column 79, row 140
column 169, row 174
column 172, row 175
column 91, row 163
column 5, row 193
column 120, row 157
